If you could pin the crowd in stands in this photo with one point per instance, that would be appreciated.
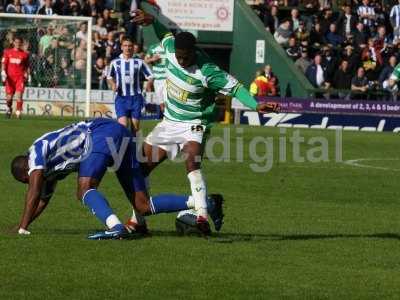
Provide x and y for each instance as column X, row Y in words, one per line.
column 347, row 47
column 58, row 51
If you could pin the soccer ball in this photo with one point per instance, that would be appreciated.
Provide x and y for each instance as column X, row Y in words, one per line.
column 185, row 223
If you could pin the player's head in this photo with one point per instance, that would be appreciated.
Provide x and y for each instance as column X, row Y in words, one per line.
column 185, row 45
column 20, row 168
column 17, row 42
column 127, row 46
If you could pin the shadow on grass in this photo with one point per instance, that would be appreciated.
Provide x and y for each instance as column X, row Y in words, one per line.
column 243, row 237
column 225, row 237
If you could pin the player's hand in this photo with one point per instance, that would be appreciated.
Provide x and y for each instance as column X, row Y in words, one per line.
column 268, row 107
column 142, row 18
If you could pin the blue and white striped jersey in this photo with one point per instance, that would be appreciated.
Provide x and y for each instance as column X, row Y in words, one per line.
column 127, row 74
column 59, row 152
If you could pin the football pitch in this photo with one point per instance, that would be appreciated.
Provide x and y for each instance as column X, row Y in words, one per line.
column 302, row 230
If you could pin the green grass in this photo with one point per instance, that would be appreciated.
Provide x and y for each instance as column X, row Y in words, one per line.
column 301, row 231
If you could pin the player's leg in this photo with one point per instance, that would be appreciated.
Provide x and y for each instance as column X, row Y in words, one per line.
column 132, row 181
column 137, row 105
column 18, row 111
column 10, row 90
column 91, row 171
column 193, row 154
column 19, row 91
column 121, row 111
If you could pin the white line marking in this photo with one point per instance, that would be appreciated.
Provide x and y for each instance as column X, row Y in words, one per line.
column 357, row 163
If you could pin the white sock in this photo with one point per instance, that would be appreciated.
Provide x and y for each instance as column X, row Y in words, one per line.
column 190, row 202
column 199, row 192
column 112, row 221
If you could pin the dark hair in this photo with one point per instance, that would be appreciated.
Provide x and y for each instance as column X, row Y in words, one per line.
column 17, row 37
column 185, row 40
column 19, row 166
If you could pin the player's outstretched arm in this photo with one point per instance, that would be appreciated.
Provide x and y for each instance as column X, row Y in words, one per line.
column 144, row 18
column 247, row 99
column 32, row 200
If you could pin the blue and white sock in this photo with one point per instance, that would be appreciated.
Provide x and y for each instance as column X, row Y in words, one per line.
column 99, row 206
column 166, row 203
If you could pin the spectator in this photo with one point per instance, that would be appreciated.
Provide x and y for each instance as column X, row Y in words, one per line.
column 316, row 36
column 301, row 33
column 109, row 23
column 342, row 80
column 385, row 81
column 395, row 20
column 332, row 37
column 366, row 14
column 387, row 70
column 263, row 86
column 352, row 58
column 65, row 73
column 80, row 53
column 30, row 7
column 82, row 33
column 360, row 37
column 293, row 50
column 112, row 47
column 283, row 33
column 272, row 81
column 381, row 40
column 53, row 50
column 304, row 61
column 271, row 21
column 47, row 8
column 294, row 13
column 92, row 8
column 65, row 42
column 310, row 6
column 326, row 20
column 329, row 61
column 346, row 22
column 14, row 7
column 45, row 40
column 99, row 45
column 100, row 28
column 98, row 75
column 74, row 8
column 359, row 85
column 137, row 51
column 371, row 60
column 316, row 73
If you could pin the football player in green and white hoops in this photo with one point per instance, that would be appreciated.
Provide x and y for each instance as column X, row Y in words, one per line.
column 192, row 81
column 155, row 57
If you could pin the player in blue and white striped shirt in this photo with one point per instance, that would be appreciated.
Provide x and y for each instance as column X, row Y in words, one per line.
column 88, row 148
column 125, row 80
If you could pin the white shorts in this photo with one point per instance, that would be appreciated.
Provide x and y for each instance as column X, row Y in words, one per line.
column 159, row 91
column 172, row 136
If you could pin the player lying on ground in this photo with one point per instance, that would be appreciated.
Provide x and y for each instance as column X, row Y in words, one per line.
column 14, row 73
column 89, row 148
column 192, row 81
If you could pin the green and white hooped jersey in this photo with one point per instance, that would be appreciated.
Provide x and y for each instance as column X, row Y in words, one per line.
column 158, row 67
column 191, row 92
column 396, row 73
